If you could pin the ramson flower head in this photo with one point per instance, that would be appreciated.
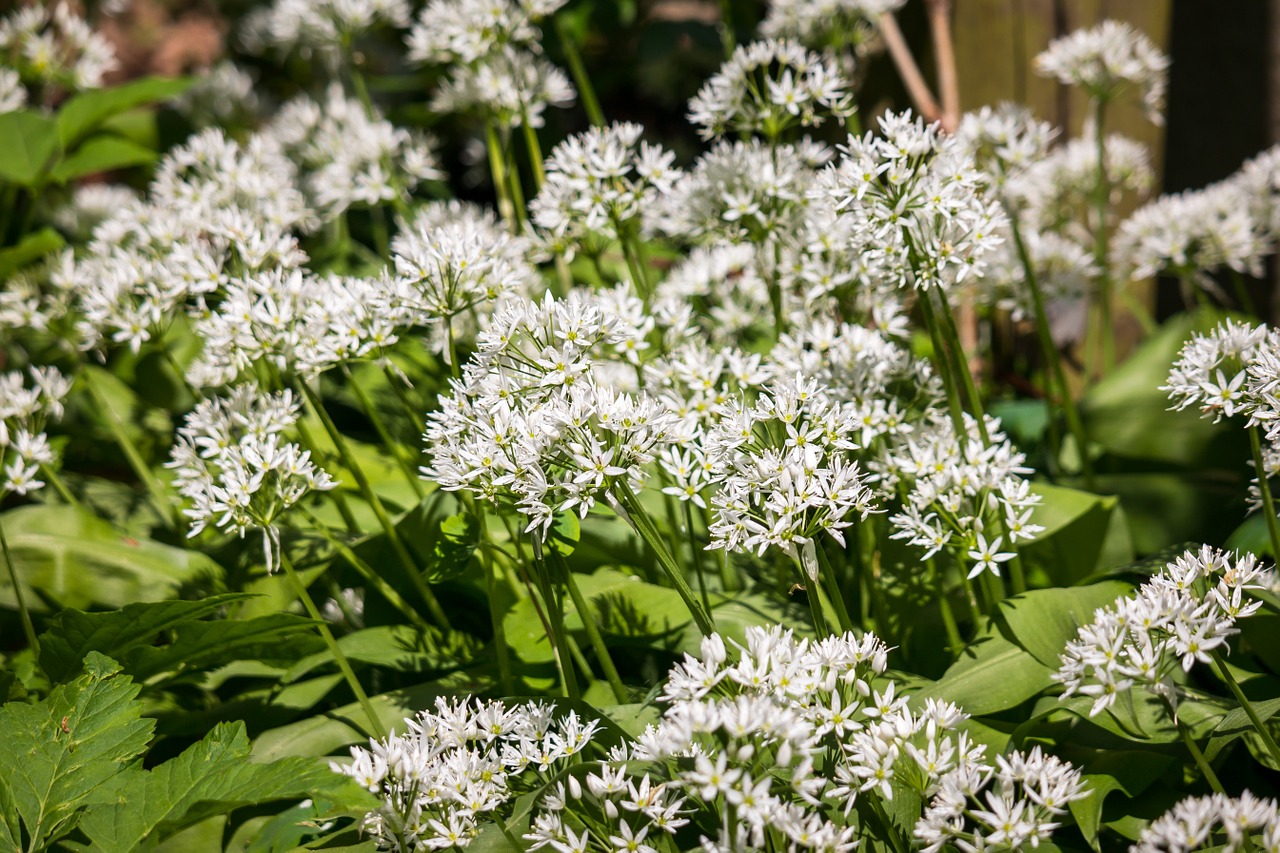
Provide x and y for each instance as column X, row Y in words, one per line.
column 1105, row 60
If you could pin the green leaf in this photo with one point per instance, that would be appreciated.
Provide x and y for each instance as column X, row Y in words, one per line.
column 1042, row 621
column 459, row 536
column 1128, row 414
column 339, row 728
column 60, row 754
column 74, row 633
column 992, row 674
column 401, row 648
column 1236, row 724
column 1129, row 771
column 211, row 777
column 30, row 143
column 32, row 247
column 198, row 646
column 102, row 154
column 78, row 560
column 1083, row 533
column 87, row 110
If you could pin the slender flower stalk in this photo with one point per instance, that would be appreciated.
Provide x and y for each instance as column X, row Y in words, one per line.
column 28, row 627
column 389, row 444
column 160, row 497
column 1259, row 726
column 374, row 726
column 586, row 613
column 375, row 503
column 1264, row 487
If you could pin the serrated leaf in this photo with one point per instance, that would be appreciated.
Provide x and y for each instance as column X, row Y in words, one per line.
column 77, row 559
column 73, row 633
column 211, row 777
column 102, row 154
column 30, row 143
column 87, row 110
column 198, row 646
column 30, row 248
column 60, row 754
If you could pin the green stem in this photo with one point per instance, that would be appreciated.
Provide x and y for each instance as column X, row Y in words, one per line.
column 495, row 613
column 832, row 583
column 1263, row 732
column 59, row 486
column 1198, row 756
column 698, row 563
column 728, row 37
column 643, row 525
column 163, row 501
column 28, row 627
column 392, row 446
column 976, row 612
column 954, row 406
column 587, row 615
column 534, row 149
column 513, row 180
column 413, row 412
column 339, row 500
column 559, row 637
column 375, row 503
column 498, row 171
column 1101, row 251
column 579, row 72
column 375, row 725
column 366, row 571
column 1264, row 487
column 1069, row 410
column 961, row 365
column 944, row 605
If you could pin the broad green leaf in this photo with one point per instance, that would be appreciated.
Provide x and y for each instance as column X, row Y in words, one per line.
column 87, row 110
column 1129, row 771
column 30, row 144
column 101, row 154
column 1144, row 720
column 73, row 633
column 32, row 247
column 60, row 754
column 1083, row 533
column 397, row 647
column 1236, row 724
column 211, row 777
column 71, row 556
column 992, row 674
column 1042, row 621
column 1128, row 414
column 199, row 646
column 457, row 540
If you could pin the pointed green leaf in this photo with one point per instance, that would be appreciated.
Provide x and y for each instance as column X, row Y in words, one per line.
column 73, row 633
column 199, row 646
column 102, row 154
column 87, row 110
column 30, row 143
column 992, row 674
column 31, row 248
column 1043, row 621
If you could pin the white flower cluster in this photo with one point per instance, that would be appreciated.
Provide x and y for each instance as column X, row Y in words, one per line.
column 1179, row 617
column 25, row 410
column 349, row 155
column 458, row 763
column 917, row 197
column 957, row 490
column 224, row 95
column 784, row 471
column 233, row 464
column 768, row 87
column 1106, row 59
column 599, row 186
column 1212, row 371
column 48, row 44
column 495, row 63
column 537, row 419
column 1216, row 821
column 454, row 263
column 320, row 25
column 1010, row 806
column 1231, row 224
column 827, row 23
column 1057, row 190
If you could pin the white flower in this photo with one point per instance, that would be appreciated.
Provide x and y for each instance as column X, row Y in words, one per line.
column 1107, row 58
